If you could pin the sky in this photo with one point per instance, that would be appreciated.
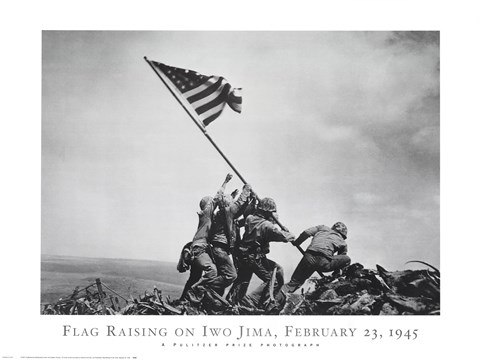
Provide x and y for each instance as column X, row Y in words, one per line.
column 336, row 126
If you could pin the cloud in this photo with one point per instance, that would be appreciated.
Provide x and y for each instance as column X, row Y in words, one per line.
column 414, row 39
column 367, row 199
column 427, row 140
column 335, row 133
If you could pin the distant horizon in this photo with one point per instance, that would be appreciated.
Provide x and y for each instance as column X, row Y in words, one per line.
column 173, row 263
column 108, row 258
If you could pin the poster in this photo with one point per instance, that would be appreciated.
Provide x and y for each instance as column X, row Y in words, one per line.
column 335, row 125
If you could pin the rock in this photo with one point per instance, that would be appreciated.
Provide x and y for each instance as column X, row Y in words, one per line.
column 422, row 287
column 360, row 304
column 413, row 305
column 388, row 309
column 330, row 294
column 293, row 303
column 353, row 271
column 414, row 283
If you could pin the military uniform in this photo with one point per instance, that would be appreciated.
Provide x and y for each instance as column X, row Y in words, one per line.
column 327, row 252
column 223, row 238
column 201, row 259
column 252, row 259
column 184, row 264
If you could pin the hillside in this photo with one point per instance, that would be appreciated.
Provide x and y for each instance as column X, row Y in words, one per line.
column 356, row 291
column 61, row 274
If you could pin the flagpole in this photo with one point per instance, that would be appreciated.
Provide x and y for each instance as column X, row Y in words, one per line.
column 194, row 118
column 204, row 131
column 173, row 92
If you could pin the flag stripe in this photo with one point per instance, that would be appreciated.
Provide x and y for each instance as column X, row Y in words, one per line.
column 211, row 80
column 210, row 119
column 208, row 98
column 204, row 97
column 209, row 90
column 220, row 99
column 212, row 111
column 236, row 107
column 236, row 99
column 200, row 87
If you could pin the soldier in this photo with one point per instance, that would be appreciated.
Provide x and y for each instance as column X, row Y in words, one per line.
column 201, row 260
column 223, row 238
column 184, row 264
column 327, row 252
column 252, row 255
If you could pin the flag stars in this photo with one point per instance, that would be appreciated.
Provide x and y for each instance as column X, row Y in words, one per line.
column 213, row 100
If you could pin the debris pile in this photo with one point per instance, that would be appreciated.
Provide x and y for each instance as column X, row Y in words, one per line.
column 357, row 291
column 362, row 291
column 97, row 302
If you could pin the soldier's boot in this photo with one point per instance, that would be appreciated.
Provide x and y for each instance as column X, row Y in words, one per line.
column 339, row 272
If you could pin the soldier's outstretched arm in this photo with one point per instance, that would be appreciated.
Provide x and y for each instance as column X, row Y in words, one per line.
column 221, row 191
column 212, row 204
column 306, row 234
column 227, row 179
column 280, row 235
column 238, row 204
column 225, row 182
column 301, row 238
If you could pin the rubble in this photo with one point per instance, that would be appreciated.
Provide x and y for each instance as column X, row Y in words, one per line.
column 358, row 291
column 368, row 292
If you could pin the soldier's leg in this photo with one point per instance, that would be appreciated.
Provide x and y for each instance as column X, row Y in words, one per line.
column 280, row 278
column 226, row 272
column 195, row 275
column 278, row 299
column 305, row 268
column 339, row 262
column 204, row 262
column 263, row 269
column 240, row 285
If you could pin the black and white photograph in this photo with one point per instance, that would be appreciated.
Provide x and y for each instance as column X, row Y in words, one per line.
column 290, row 173
column 203, row 179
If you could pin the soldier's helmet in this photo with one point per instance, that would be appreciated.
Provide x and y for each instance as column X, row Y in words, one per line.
column 267, row 204
column 205, row 200
column 340, row 228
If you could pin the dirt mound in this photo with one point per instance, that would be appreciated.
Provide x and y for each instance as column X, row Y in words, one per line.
column 357, row 291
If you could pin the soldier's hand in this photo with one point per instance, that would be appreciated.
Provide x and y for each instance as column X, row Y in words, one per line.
column 247, row 187
column 289, row 237
column 275, row 217
column 229, row 177
column 234, row 194
column 218, row 197
column 296, row 241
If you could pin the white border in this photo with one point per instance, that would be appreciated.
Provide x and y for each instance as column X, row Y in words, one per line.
column 25, row 333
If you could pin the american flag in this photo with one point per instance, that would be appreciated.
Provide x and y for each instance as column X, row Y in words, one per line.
column 207, row 95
